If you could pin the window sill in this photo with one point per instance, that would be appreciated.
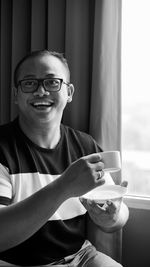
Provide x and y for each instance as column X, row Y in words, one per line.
column 137, row 202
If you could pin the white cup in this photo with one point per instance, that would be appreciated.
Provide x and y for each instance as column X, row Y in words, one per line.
column 111, row 160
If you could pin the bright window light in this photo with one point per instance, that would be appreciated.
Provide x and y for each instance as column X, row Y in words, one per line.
column 136, row 96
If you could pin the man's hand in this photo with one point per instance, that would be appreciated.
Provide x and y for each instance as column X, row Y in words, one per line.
column 109, row 216
column 83, row 175
column 104, row 215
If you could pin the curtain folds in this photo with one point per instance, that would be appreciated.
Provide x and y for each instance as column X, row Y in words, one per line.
column 88, row 32
column 106, row 84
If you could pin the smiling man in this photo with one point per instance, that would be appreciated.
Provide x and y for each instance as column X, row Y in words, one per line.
column 37, row 104
column 45, row 167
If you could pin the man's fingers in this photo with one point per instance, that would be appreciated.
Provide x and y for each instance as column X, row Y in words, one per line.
column 94, row 158
column 100, row 181
column 94, row 162
column 100, row 174
column 84, row 202
column 90, row 205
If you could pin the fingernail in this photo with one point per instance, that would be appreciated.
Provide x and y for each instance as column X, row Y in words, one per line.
column 109, row 202
column 125, row 183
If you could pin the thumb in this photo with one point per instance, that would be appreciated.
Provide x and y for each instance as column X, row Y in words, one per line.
column 85, row 203
column 124, row 184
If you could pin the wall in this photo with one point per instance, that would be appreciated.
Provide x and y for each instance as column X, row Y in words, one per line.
column 136, row 239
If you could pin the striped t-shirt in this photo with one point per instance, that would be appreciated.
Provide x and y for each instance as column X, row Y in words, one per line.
column 24, row 169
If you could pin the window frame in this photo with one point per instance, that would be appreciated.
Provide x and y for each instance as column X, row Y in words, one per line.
column 134, row 200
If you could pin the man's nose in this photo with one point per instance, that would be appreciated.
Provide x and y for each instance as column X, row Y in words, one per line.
column 41, row 90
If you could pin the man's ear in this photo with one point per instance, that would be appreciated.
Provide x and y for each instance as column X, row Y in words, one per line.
column 70, row 92
column 15, row 94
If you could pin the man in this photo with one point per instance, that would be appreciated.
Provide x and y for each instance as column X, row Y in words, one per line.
column 44, row 168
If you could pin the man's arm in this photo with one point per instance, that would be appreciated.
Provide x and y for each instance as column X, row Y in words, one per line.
column 21, row 220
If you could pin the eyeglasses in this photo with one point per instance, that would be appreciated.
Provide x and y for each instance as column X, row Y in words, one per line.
column 49, row 84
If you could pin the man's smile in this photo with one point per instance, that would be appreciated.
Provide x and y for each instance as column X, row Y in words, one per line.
column 42, row 104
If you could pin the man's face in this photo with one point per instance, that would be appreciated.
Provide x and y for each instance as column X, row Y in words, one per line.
column 41, row 105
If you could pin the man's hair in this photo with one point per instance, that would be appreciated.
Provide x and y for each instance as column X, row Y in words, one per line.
column 39, row 53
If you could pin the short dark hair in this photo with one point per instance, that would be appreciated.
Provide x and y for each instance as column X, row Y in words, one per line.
column 38, row 53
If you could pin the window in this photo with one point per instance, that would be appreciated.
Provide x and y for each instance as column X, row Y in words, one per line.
column 136, row 96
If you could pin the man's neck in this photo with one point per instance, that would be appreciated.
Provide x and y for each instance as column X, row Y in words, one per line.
column 46, row 135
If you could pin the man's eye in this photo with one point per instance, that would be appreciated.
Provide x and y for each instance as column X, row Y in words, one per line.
column 29, row 83
column 52, row 82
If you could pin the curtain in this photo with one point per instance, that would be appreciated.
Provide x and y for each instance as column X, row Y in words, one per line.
column 88, row 32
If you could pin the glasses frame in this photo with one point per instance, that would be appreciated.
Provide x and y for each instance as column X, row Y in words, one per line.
column 41, row 81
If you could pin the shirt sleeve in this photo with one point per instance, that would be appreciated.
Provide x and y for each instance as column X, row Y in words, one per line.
column 5, row 186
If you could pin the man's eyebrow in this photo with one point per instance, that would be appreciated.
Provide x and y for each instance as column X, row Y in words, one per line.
column 29, row 76
column 50, row 75
column 34, row 76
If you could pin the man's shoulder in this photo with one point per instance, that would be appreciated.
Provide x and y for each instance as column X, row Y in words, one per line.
column 6, row 130
column 69, row 131
column 80, row 138
column 5, row 127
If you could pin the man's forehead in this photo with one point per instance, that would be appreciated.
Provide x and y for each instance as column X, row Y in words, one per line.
column 43, row 60
column 43, row 63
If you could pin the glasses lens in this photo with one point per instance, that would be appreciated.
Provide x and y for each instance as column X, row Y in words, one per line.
column 52, row 84
column 29, row 85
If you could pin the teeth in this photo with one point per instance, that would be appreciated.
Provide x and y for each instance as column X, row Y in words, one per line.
column 42, row 104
